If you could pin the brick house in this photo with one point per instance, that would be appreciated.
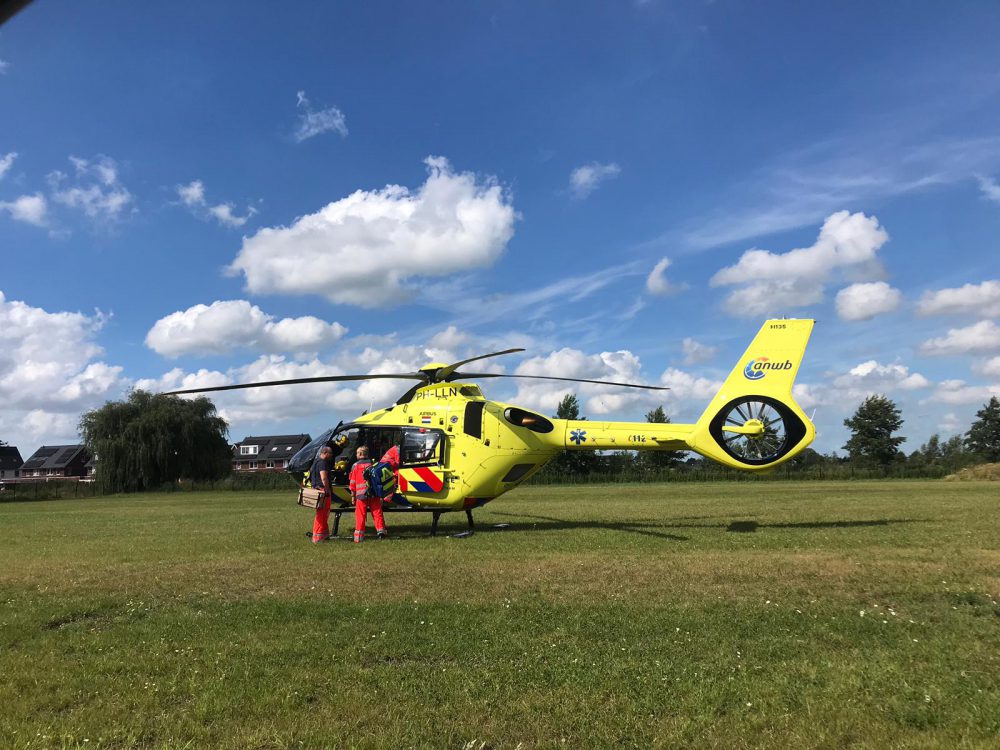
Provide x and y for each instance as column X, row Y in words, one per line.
column 56, row 461
column 10, row 462
column 267, row 452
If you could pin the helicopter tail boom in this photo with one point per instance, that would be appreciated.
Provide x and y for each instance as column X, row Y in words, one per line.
column 753, row 422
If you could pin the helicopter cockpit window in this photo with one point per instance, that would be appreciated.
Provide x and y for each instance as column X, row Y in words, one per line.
column 421, row 447
column 303, row 460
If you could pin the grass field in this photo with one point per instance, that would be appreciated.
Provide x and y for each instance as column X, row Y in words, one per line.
column 783, row 615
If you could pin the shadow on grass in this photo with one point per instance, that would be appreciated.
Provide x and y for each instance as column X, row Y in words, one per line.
column 653, row 529
column 750, row 527
column 531, row 522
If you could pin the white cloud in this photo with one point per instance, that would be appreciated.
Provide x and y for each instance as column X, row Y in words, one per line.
column 4, row 65
column 989, row 368
column 980, row 338
column 228, row 325
column 657, row 282
column 768, row 299
column 808, row 395
column 6, row 162
column 245, row 408
column 950, row 424
column 449, row 338
column 95, row 189
column 768, row 283
column 689, row 393
column 844, row 240
column 368, row 248
column 958, row 392
column 314, row 122
column 31, row 209
column 695, row 352
column 49, row 372
column 177, row 380
column 872, row 377
column 685, row 386
column 990, row 188
column 224, row 213
column 192, row 195
column 621, row 366
column 585, row 180
column 864, row 301
column 973, row 299
column 862, row 380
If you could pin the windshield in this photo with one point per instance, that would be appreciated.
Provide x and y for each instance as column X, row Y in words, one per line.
column 303, row 460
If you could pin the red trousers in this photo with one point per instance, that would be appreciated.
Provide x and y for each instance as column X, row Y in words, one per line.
column 321, row 525
column 361, row 508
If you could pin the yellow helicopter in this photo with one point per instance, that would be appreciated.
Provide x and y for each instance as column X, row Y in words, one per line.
column 460, row 450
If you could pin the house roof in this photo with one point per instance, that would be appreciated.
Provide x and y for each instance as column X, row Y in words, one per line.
column 10, row 458
column 53, row 457
column 272, row 446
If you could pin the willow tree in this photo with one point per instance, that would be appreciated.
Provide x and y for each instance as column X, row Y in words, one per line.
column 151, row 439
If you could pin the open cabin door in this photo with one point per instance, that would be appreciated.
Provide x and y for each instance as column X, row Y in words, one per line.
column 423, row 467
column 422, row 454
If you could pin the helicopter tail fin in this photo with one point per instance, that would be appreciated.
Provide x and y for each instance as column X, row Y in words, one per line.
column 753, row 422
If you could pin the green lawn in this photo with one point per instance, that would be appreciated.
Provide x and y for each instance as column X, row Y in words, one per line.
column 782, row 615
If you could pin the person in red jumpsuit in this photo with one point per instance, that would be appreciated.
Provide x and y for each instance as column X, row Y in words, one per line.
column 363, row 499
column 320, row 478
column 391, row 457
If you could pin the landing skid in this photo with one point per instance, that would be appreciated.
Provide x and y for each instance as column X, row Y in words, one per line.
column 338, row 512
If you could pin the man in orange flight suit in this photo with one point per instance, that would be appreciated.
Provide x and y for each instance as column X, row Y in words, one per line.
column 320, row 478
column 391, row 457
column 363, row 499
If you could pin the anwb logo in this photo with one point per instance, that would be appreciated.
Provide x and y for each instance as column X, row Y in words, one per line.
column 757, row 368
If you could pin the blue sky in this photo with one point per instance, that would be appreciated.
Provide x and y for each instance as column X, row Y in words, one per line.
column 209, row 193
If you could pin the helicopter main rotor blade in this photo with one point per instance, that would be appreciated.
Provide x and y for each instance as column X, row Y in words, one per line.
column 477, row 375
column 295, row 381
column 10, row 7
column 444, row 373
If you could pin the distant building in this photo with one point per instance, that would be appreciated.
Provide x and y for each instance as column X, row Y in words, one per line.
column 268, row 452
column 10, row 462
column 56, row 461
